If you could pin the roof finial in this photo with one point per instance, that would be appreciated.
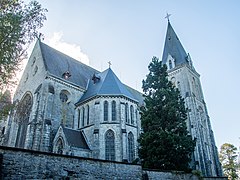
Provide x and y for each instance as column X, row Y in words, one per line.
column 109, row 63
column 40, row 36
column 167, row 16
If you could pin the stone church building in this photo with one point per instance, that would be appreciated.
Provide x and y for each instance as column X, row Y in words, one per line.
column 64, row 106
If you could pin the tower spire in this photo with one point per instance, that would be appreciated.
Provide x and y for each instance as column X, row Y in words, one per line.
column 173, row 47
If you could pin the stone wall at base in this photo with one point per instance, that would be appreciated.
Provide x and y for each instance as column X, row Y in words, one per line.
column 158, row 175
column 27, row 164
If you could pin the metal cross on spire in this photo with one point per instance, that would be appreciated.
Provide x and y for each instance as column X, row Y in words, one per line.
column 109, row 63
column 167, row 16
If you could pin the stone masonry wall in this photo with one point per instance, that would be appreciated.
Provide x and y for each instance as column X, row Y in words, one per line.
column 27, row 164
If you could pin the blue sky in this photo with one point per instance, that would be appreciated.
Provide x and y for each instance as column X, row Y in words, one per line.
column 130, row 33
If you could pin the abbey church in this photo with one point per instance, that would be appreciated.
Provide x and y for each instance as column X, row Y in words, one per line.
column 64, row 106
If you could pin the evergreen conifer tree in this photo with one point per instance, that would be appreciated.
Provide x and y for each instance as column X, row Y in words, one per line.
column 165, row 143
column 228, row 158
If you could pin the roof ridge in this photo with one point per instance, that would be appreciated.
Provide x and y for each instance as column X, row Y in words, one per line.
column 75, row 60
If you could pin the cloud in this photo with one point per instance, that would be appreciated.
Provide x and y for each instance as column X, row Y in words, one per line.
column 72, row 50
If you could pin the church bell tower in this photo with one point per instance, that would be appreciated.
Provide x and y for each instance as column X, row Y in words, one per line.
column 184, row 76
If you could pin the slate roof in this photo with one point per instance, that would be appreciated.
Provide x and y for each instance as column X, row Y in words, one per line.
column 108, row 84
column 173, row 47
column 75, row 138
column 57, row 63
column 137, row 95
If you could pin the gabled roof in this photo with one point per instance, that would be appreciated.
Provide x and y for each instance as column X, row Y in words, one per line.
column 75, row 138
column 57, row 63
column 106, row 84
column 174, row 48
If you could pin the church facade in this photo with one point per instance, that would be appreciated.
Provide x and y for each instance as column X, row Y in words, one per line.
column 67, row 107
column 64, row 106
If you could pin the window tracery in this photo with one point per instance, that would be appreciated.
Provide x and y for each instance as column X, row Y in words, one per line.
column 23, row 115
column 110, row 145
column 131, row 155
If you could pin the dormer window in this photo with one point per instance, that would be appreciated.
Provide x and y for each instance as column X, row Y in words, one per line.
column 95, row 79
column 66, row 75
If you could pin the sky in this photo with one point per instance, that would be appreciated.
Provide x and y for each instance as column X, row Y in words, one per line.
column 130, row 33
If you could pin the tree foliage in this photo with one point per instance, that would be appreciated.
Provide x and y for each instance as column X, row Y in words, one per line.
column 5, row 104
column 19, row 24
column 228, row 159
column 165, row 142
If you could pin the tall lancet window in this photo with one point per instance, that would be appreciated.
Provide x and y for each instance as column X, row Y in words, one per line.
column 194, row 87
column 88, row 118
column 105, row 111
column 179, row 86
column 126, row 113
column 131, row 155
column 110, row 145
column 113, row 110
column 170, row 64
column 83, row 116
column 23, row 114
column 79, row 117
column 132, row 114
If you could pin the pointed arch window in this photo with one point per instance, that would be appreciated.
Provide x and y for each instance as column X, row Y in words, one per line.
column 50, row 102
column 179, row 86
column 83, row 116
column 59, row 146
column 131, row 154
column 64, row 96
column 23, row 115
column 113, row 110
column 79, row 117
column 173, row 80
column 105, row 111
column 110, row 145
column 126, row 113
column 132, row 114
column 194, row 87
column 88, row 118
column 170, row 64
